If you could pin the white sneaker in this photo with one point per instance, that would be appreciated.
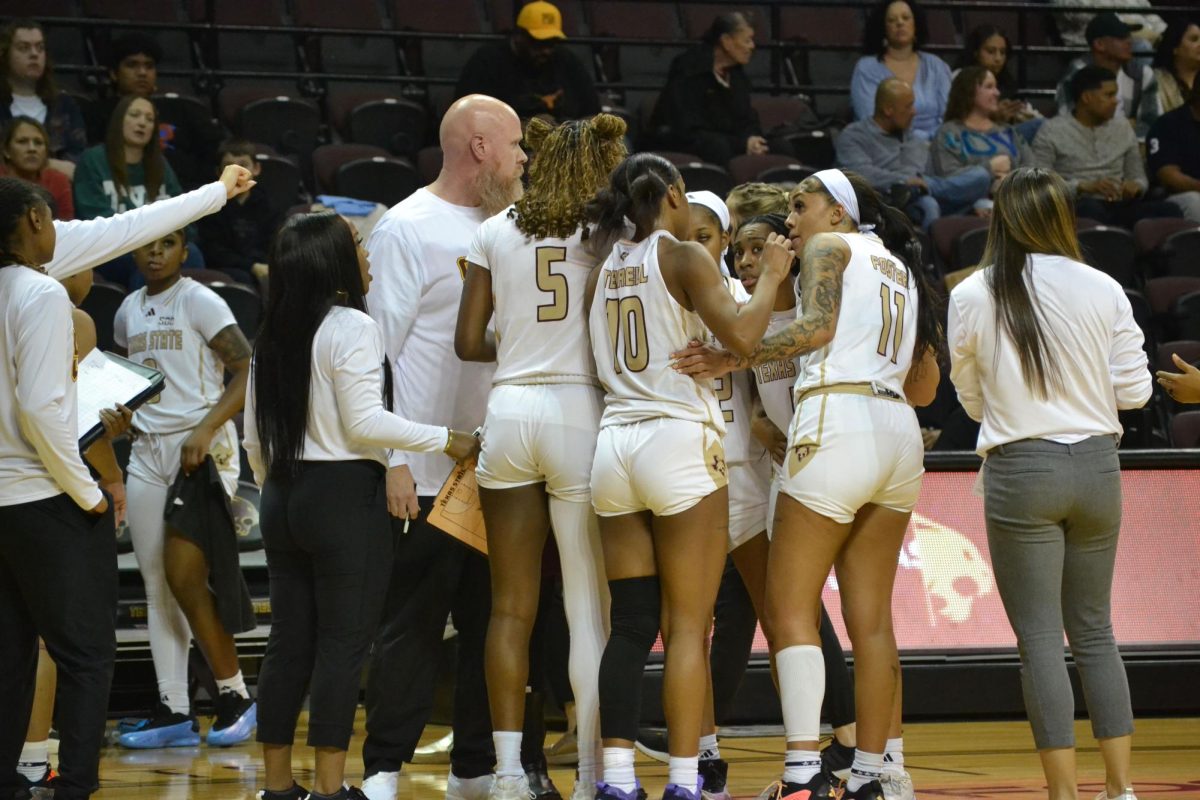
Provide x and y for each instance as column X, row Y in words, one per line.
column 897, row 786
column 584, row 790
column 437, row 752
column 1125, row 795
column 509, row 787
column 468, row 788
column 381, row 786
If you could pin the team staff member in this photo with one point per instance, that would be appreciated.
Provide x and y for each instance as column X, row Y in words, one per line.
column 317, row 430
column 1045, row 351
column 850, row 410
column 664, row 523
column 420, row 248
column 1183, row 386
column 528, row 267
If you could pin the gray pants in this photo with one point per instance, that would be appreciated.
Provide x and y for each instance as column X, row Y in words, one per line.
column 1053, row 514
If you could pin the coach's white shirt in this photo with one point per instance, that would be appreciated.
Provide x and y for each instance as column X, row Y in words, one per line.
column 418, row 262
column 1089, row 330
column 346, row 417
column 39, row 436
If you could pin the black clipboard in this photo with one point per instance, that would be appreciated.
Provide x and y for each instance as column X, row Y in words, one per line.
column 157, row 383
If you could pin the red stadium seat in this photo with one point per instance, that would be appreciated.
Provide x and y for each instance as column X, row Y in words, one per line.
column 747, row 168
column 1185, row 429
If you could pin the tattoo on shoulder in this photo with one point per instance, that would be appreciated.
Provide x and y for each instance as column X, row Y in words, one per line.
column 821, row 281
column 230, row 345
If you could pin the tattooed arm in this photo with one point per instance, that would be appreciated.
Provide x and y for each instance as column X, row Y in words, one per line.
column 825, row 257
column 231, row 347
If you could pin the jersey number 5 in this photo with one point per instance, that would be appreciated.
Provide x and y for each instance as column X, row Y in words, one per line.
column 893, row 328
column 627, row 333
column 553, row 283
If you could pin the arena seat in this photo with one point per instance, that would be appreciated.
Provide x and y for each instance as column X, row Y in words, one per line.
column 637, row 20
column 1180, row 253
column 327, row 158
column 1185, row 429
column 369, row 116
column 245, row 304
column 679, row 159
column 814, row 148
column 101, row 305
column 1144, row 317
column 287, row 122
column 945, row 231
column 1185, row 316
column 777, row 111
column 968, row 248
column 747, row 168
column 700, row 176
column 250, row 50
column 367, row 55
column 1151, row 233
column 380, row 179
column 438, row 57
column 1113, row 252
column 280, row 179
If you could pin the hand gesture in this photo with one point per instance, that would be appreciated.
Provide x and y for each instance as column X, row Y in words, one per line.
column 756, row 146
column 1183, row 386
column 702, row 361
column 195, row 448
column 777, row 257
column 237, row 180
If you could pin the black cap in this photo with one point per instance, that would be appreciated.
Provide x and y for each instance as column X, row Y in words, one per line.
column 132, row 44
column 1108, row 23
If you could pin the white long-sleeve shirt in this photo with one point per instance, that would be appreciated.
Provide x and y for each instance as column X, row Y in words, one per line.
column 346, row 417
column 88, row 243
column 1090, row 332
column 39, row 437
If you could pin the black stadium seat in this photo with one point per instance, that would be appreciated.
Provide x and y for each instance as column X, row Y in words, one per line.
column 699, row 177
column 382, row 179
column 101, row 305
column 1113, row 252
column 245, row 304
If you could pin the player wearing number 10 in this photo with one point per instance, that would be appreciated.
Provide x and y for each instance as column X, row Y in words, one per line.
column 658, row 479
column 528, row 267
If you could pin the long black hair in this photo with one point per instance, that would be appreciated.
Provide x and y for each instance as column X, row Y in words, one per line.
column 1164, row 53
column 875, row 31
column 635, row 191
column 16, row 198
column 314, row 266
column 969, row 57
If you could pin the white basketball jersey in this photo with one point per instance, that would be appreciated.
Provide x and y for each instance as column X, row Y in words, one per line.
column 636, row 325
column 733, row 395
column 877, row 326
column 538, row 290
column 170, row 332
column 777, row 379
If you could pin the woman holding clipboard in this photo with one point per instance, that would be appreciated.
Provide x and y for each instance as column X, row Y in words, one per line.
column 57, row 546
column 317, row 436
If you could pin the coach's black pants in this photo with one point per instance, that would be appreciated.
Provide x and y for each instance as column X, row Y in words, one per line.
column 58, row 580
column 328, row 547
column 432, row 576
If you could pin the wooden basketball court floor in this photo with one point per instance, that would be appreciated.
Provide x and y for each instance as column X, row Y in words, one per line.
column 961, row 760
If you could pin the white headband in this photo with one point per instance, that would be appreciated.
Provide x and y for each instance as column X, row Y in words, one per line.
column 714, row 204
column 839, row 188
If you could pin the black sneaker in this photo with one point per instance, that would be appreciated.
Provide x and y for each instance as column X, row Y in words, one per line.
column 714, row 774
column 165, row 729
column 42, row 788
column 297, row 792
column 236, row 718
column 653, row 743
column 818, row 788
column 868, row 791
column 540, row 785
column 836, row 760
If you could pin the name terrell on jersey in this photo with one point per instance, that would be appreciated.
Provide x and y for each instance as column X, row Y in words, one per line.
column 626, row 276
column 156, row 340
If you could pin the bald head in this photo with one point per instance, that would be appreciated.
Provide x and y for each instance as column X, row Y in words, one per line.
column 894, row 105
column 891, row 91
column 481, row 151
column 475, row 115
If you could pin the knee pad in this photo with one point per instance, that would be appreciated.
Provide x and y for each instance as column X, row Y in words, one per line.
column 635, row 618
column 636, row 609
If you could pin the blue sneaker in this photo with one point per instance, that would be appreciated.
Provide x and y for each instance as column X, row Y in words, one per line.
column 606, row 791
column 236, row 718
column 165, row 729
column 674, row 791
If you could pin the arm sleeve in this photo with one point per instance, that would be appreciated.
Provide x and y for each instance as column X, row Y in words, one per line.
column 250, row 434
column 84, row 244
column 851, row 153
column 862, row 89
column 1127, row 362
column 477, row 252
column 964, row 372
column 358, row 382
column 44, row 348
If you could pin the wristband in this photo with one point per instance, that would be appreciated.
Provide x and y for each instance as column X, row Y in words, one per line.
column 449, row 439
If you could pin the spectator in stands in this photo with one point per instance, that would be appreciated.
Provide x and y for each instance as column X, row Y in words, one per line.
column 1072, row 26
column 705, row 107
column 188, row 137
column 1176, row 63
column 237, row 237
column 988, row 46
column 28, row 90
column 1173, row 159
column 970, row 136
column 530, row 71
column 895, row 32
column 884, row 150
column 26, row 156
column 1097, row 154
column 1111, row 45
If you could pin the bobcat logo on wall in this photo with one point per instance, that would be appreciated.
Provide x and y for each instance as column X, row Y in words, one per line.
column 953, row 571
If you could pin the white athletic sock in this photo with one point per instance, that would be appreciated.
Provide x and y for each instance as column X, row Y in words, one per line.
column 508, row 754
column 684, row 771
column 174, row 695
column 618, row 768
column 867, row 767
column 893, row 757
column 235, row 684
column 801, row 766
column 35, row 760
column 801, row 670
column 709, row 749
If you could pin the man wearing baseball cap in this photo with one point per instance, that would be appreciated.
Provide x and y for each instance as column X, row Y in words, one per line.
column 530, row 71
column 1111, row 44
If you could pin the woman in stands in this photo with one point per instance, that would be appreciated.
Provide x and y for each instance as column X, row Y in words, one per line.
column 1177, row 62
column 185, row 330
column 658, row 479
column 26, row 156
column 854, row 462
column 988, row 46
column 317, row 437
column 892, row 40
column 27, row 89
column 527, row 269
column 1045, row 351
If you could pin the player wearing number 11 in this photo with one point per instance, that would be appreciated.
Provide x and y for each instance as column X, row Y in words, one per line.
column 658, row 478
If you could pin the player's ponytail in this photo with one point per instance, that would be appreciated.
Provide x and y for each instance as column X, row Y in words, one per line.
column 634, row 195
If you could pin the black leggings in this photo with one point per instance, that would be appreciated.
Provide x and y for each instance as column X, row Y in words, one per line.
column 329, row 553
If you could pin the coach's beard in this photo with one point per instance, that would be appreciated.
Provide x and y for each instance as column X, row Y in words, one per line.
column 496, row 194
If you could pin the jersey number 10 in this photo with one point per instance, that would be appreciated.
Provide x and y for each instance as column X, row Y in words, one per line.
column 627, row 333
column 893, row 328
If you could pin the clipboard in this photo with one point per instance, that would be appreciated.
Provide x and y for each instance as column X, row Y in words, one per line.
column 456, row 509
column 106, row 379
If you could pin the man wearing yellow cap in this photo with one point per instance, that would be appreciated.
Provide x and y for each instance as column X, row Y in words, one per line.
column 530, row 72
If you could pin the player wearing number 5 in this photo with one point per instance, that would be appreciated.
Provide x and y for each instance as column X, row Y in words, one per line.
column 854, row 461
column 658, row 478
column 528, row 267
